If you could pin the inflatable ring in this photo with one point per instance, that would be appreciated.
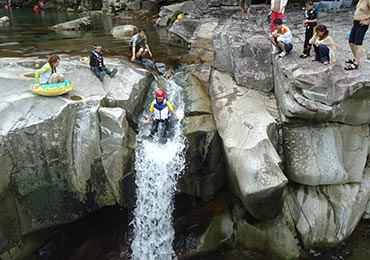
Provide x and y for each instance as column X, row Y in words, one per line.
column 85, row 59
column 54, row 89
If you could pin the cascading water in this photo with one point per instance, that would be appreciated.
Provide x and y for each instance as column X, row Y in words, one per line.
column 157, row 167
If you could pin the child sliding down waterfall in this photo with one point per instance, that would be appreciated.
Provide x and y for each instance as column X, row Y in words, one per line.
column 160, row 109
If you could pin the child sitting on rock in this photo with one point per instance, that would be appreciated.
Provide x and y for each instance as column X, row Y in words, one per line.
column 324, row 45
column 281, row 38
column 97, row 63
column 47, row 74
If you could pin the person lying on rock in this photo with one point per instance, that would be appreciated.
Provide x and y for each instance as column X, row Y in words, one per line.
column 139, row 46
column 324, row 45
column 281, row 39
column 160, row 109
column 97, row 63
column 47, row 74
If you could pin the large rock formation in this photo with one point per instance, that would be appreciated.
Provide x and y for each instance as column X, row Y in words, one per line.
column 324, row 138
column 4, row 19
column 124, row 31
column 326, row 215
column 78, row 24
column 241, row 48
column 67, row 156
column 298, row 166
column 205, row 176
column 63, row 158
column 246, row 121
column 232, row 45
column 222, row 45
column 325, row 154
column 324, row 112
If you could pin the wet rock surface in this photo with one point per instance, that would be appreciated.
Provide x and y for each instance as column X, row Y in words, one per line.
column 323, row 112
column 64, row 158
column 296, row 161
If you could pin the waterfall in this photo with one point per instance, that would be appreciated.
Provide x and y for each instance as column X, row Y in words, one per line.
column 157, row 167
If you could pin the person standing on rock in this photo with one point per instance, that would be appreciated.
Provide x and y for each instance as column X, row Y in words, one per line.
column 281, row 39
column 47, row 74
column 243, row 4
column 361, row 21
column 324, row 45
column 139, row 45
column 277, row 11
column 309, row 22
column 97, row 63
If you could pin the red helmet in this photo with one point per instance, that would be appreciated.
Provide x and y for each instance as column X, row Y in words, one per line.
column 160, row 93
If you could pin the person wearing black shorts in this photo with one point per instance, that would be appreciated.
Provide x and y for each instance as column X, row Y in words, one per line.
column 361, row 21
column 139, row 46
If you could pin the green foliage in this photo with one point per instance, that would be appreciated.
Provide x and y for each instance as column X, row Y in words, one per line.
column 104, row 102
column 173, row 17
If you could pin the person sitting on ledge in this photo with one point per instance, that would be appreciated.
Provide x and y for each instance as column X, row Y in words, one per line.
column 324, row 45
column 97, row 63
column 281, row 39
column 139, row 46
column 47, row 74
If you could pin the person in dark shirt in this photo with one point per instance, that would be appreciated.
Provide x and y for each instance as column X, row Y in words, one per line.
column 97, row 63
column 309, row 22
column 361, row 22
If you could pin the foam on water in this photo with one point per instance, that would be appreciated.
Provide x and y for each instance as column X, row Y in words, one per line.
column 158, row 167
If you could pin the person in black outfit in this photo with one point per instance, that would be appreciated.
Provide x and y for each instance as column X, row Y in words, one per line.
column 310, row 22
column 97, row 63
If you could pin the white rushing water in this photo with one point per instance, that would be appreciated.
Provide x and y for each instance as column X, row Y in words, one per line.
column 157, row 167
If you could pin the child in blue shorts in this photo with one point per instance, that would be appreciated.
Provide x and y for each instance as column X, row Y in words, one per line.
column 281, row 38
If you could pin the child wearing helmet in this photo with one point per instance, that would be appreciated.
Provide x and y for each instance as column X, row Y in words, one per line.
column 160, row 109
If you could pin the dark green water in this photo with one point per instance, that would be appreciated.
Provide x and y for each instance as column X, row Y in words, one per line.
column 30, row 30
column 104, row 235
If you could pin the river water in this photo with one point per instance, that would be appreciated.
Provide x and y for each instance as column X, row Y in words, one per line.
column 94, row 237
column 30, row 30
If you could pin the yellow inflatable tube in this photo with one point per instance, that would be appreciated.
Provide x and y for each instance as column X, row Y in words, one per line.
column 54, row 89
